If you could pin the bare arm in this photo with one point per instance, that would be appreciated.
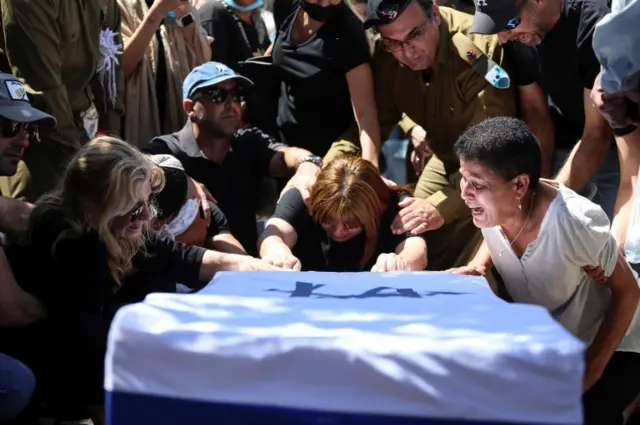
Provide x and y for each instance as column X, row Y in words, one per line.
column 17, row 307
column 137, row 44
column 414, row 252
column 629, row 156
column 625, row 295
column 586, row 157
column 278, row 237
column 225, row 242
column 285, row 162
column 360, row 81
column 535, row 112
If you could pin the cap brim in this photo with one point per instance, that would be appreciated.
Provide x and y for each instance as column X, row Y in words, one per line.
column 491, row 24
column 244, row 81
column 29, row 114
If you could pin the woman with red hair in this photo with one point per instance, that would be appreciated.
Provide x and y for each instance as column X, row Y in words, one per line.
column 345, row 227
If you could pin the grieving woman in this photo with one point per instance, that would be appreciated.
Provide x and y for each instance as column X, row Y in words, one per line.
column 540, row 236
column 346, row 226
column 89, row 251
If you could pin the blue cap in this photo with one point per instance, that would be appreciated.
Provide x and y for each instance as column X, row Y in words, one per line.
column 209, row 74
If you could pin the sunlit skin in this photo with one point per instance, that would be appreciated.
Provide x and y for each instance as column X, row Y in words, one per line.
column 124, row 227
column 418, row 37
column 221, row 118
column 536, row 19
column 11, row 151
column 492, row 200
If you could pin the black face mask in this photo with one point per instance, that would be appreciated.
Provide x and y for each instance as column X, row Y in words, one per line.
column 317, row 12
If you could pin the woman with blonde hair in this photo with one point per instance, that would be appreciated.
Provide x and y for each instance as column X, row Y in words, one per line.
column 346, row 226
column 163, row 42
column 90, row 250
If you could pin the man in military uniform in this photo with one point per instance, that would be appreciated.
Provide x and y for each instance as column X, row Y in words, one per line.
column 435, row 79
column 54, row 49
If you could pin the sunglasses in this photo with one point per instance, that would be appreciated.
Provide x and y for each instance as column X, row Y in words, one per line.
column 11, row 128
column 136, row 213
column 220, row 95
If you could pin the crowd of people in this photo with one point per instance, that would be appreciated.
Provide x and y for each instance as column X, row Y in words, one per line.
column 146, row 145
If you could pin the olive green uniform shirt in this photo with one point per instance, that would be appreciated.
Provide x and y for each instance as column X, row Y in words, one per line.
column 53, row 47
column 455, row 97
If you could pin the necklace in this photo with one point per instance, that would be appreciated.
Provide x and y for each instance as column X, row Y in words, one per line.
column 523, row 225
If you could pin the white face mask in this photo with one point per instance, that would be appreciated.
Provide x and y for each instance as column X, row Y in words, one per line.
column 183, row 220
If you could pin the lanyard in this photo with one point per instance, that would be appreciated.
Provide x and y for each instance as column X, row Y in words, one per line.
column 240, row 28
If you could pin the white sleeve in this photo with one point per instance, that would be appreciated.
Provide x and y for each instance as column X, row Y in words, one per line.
column 587, row 235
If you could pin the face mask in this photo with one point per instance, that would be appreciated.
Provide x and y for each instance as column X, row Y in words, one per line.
column 317, row 12
column 254, row 6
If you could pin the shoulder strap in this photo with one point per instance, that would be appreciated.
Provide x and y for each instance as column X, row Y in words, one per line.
column 486, row 67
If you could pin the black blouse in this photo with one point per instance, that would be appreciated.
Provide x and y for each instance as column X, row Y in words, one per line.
column 70, row 274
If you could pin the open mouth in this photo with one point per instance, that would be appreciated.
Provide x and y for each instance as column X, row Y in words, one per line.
column 477, row 211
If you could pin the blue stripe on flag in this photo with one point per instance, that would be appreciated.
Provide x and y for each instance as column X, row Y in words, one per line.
column 137, row 409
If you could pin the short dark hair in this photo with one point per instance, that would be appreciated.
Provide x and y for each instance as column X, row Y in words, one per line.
column 505, row 145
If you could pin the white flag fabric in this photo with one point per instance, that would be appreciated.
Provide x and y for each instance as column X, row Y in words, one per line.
column 341, row 348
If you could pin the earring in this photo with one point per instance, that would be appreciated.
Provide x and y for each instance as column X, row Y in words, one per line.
column 519, row 204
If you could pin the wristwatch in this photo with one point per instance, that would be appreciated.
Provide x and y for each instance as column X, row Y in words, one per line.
column 315, row 159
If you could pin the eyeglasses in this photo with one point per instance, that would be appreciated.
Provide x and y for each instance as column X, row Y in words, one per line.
column 410, row 40
column 220, row 95
column 136, row 213
column 11, row 128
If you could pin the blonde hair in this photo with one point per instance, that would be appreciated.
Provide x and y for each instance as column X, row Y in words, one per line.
column 351, row 190
column 102, row 182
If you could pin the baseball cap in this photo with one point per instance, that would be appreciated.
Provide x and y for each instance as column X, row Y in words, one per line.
column 492, row 16
column 614, row 41
column 384, row 11
column 15, row 106
column 209, row 74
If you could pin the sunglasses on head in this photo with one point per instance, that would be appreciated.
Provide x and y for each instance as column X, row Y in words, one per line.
column 220, row 95
column 11, row 128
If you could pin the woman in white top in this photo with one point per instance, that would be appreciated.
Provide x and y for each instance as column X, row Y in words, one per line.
column 541, row 236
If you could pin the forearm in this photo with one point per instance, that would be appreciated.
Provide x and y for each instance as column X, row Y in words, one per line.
column 214, row 261
column 482, row 259
column 13, row 215
column 226, row 243
column 370, row 140
column 273, row 245
column 286, row 161
column 138, row 44
column 614, row 326
column 540, row 123
column 584, row 160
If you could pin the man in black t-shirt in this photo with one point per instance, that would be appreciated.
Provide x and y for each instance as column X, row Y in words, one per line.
column 229, row 160
column 565, row 66
column 238, row 30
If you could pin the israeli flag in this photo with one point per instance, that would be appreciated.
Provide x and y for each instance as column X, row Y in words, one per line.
column 287, row 348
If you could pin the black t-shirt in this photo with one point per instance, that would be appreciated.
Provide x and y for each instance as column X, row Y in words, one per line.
column 72, row 276
column 219, row 224
column 235, row 183
column 566, row 65
column 318, row 252
column 314, row 108
column 229, row 31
